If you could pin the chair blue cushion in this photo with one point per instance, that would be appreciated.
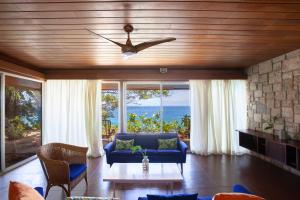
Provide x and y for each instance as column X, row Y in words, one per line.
column 199, row 198
column 76, row 170
column 240, row 189
column 173, row 197
column 40, row 190
column 142, row 198
column 205, row 198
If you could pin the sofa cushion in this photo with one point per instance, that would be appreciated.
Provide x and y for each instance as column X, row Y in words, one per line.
column 164, row 152
column 124, row 144
column 170, row 144
column 236, row 196
column 20, row 191
column 123, row 152
column 149, row 152
column 147, row 140
column 76, row 170
column 172, row 197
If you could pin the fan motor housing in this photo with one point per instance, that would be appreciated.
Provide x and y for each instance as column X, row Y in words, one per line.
column 128, row 28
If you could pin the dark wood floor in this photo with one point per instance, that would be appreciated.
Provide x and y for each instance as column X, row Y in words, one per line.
column 204, row 175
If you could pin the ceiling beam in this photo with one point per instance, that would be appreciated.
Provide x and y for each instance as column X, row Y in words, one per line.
column 146, row 74
column 14, row 66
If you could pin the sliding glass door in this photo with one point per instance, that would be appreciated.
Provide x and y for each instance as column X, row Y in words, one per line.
column 23, row 119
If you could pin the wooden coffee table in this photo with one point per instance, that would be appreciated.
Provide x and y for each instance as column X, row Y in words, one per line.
column 132, row 173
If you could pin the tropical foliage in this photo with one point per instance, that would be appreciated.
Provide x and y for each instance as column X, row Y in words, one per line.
column 132, row 96
column 22, row 111
column 143, row 124
column 110, row 99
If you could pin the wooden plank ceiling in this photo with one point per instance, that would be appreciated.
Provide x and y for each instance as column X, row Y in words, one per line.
column 210, row 34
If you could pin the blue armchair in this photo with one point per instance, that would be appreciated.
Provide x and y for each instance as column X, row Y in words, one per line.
column 149, row 142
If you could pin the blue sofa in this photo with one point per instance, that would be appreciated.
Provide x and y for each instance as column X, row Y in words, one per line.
column 149, row 142
column 236, row 188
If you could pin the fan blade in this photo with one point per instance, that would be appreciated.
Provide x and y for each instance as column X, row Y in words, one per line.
column 146, row 45
column 117, row 43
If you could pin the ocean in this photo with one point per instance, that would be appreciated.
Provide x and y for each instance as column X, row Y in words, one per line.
column 170, row 113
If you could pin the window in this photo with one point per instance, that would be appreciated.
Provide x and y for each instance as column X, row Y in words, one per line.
column 23, row 102
column 176, row 108
column 110, row 109
column 143, row 107
column 155, row 107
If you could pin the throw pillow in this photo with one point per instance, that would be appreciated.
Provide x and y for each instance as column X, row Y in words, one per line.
column 124, row 144
column 236, row 196
column 172, row 197
column 167, row 143
column 20, row 191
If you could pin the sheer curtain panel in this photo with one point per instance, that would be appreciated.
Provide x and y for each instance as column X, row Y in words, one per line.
column 72, row 110
column 93, row 118
column 218, row 108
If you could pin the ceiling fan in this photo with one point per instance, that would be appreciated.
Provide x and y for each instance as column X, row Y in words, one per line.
column 129, row 49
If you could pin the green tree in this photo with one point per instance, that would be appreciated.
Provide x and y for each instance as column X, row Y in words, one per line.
column 22, row 111
column 143, row 124
column 110, row 103
column 132, row 96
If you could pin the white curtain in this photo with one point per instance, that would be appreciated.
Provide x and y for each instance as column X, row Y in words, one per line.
column 93, row 118
column 72, row 108
column 218, row 108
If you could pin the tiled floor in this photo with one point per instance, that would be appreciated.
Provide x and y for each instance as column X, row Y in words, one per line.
column 204, row 175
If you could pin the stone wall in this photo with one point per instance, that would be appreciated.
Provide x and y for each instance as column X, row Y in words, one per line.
column 274, row 90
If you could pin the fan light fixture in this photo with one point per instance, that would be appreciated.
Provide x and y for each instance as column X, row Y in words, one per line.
column 128, row 54
column 129, row 49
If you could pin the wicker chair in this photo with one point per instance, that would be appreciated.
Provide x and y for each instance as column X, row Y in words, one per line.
column 63, row 164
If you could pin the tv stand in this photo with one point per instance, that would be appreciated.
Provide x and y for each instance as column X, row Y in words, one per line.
column 287, row 152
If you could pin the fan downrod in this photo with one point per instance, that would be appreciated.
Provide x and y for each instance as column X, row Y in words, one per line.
column 128, row 28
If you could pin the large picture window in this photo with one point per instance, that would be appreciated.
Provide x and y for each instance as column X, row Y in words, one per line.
column 23, row 102
column 157, row 107
column 176, row 109
column 143, row 108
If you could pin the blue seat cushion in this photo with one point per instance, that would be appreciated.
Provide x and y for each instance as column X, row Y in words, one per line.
column 76, row 170
column 199, row 198
column 173, row 197
column 205, row 198
column 240, row 189
column 122, row 152
column 149, row 152
column 147, row 141
column 40, row 190
column 164, row 152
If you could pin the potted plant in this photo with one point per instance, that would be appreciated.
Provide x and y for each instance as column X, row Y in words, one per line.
column 145, row 161
column 269, row 126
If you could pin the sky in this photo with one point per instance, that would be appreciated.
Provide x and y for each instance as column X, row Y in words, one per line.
column 175, row 98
